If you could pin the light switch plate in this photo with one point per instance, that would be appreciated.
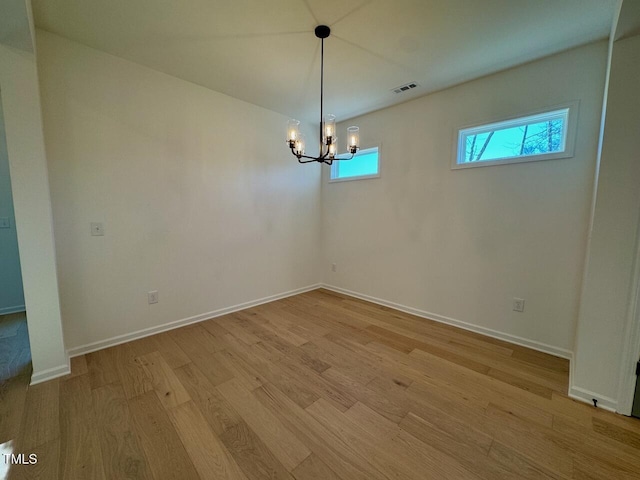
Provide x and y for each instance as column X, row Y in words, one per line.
column 5, row 222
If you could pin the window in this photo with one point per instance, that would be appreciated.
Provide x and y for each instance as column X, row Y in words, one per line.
column 365, row 164
column 542, row 136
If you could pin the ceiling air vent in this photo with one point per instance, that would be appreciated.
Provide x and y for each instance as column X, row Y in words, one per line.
column 405, row 87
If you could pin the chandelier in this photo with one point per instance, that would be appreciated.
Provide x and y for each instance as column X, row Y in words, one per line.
column 328, row 138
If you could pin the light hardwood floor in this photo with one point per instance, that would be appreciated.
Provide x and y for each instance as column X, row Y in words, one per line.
column 15, row 371
column 317, row 386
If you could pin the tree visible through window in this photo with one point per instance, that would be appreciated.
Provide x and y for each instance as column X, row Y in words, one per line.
column 532, row 136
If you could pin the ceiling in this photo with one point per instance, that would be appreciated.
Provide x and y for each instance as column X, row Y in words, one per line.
column 265, row 52
column 628, row 24
column 14, row 25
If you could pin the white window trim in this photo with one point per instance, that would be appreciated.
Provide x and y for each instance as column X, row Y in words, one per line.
column 359, row 177
column 570, row 128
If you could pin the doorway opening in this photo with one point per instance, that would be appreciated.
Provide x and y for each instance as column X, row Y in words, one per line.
column 15, row 351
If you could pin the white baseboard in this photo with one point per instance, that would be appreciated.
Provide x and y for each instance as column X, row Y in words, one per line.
column 586, row 396
column 507, row 337
column 117, row 340
column 50, row 374
column 14, row 309
column 576, row 393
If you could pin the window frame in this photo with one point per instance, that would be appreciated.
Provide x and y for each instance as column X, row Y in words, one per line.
column 570, row 128
column 336, row 166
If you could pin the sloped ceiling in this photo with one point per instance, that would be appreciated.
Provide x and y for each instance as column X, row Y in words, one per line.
column 14, row 25
column 629, row 22
column 265, row 52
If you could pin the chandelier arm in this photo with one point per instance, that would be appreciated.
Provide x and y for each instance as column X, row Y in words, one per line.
column 317, row 159
column 349, row 158
column 321, row 158
column 310, row 159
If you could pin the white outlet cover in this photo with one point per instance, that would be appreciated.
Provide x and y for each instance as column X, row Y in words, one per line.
column 152, row 297
column 518, row 304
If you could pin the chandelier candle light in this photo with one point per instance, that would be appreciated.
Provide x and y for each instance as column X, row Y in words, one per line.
column 328, row 138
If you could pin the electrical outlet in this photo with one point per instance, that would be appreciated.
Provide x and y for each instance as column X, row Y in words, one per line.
column 97, row 229
column 518, row 304
column 5, row 222
column 334, row 267
column 152, row 296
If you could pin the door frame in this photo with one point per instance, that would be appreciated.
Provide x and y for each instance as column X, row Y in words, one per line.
column 631, row 340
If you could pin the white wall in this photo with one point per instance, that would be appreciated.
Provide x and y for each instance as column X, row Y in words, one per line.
column 460, row 244
column 11, row 294
column 199, row 196
column 32, row 205
column 608, row 289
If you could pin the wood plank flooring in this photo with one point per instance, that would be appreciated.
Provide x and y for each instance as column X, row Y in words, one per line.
column 15, row 372
column 316, row 386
